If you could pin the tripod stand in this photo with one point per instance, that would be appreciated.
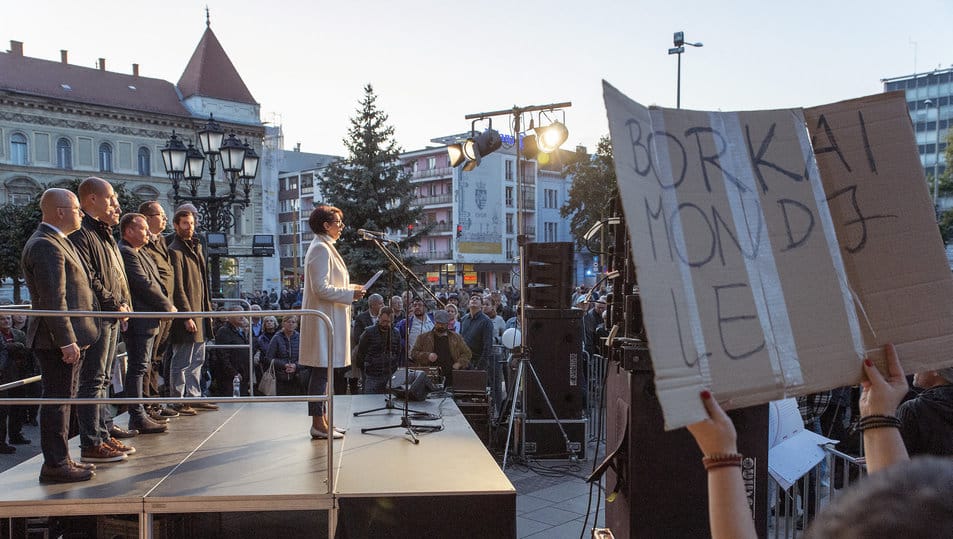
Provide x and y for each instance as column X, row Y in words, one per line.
column 406, row 422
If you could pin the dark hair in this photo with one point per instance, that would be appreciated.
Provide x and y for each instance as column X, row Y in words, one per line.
column 181, row 214
column 911, row 499
column 323, row 214
column 386, row 310
column 127, row 220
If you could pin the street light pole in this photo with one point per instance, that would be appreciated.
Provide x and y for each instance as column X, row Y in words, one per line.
column 936, row 156
column 679, row 41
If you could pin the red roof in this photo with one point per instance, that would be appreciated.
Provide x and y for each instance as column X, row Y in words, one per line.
column 211, row 74
column 45, row 78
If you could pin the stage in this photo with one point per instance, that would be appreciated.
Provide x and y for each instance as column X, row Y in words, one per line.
column 254, row 457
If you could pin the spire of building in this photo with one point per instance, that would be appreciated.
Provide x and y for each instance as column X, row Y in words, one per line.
column 210, row 72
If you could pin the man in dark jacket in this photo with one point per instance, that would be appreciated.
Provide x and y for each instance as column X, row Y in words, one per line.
column 151, row 296
column 190, row 293
column 95, row 244
column 226, row 363
column 377, row 351
column 477, row 330
column 926, row 422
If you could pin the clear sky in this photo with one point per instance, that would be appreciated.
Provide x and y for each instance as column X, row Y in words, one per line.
column 432, row 62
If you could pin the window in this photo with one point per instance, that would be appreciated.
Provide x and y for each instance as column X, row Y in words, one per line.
column 509, row 169
column 509, row 196
column 105, row 157
column 550, row 232
column 509, row 248
column 509, row 223
column 64, row 154
column 145, row 161
column 550, row 201
column 413, row 166
column 431, row 163
column 20, row 199
column 18, row 149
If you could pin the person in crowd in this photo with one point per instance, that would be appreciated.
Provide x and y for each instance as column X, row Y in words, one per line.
column 418, row 321
column 454, row 312
column 226, row 363
column 146, row 285
column 915, row 511
column 255, row 323
column 30, row 391
column 477, row 330
column 98, row 436
column 442, row 348
column 158, row 251
column 290, row 377
column 397, row 305
column 16, row 362
column 269, row 328
column 327, row 288
column 926, row 421
column 491, row 312
column 57, row 279
column 190, row 293
column 366, row 319
column 377, row 352
column 590, row 323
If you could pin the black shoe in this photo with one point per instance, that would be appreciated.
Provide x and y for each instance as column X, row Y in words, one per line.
column 64, row 474
column 121, row 433
column 156, row 416
column 18, row 439
column 6, row 449
column 167, row 412
column 147, row 426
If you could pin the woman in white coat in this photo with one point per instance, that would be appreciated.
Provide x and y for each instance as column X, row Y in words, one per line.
column 327, row 288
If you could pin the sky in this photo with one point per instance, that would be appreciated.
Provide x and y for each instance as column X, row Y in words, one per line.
column 433, row 62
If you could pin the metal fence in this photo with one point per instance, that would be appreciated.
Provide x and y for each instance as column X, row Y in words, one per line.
column 790, row 511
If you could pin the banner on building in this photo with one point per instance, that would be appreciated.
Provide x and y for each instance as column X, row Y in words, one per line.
column 776, row 249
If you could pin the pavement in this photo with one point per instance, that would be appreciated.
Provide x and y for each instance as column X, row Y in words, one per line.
column 551, row 502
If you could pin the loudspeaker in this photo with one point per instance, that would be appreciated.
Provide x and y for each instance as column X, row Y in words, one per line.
column 549, row 275
column 554, row 338
column 543, row 440
column 419, row 385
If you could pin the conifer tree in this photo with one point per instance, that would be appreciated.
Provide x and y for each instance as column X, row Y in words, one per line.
column 371, row 187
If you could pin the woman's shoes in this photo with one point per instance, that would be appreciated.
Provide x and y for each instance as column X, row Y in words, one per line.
column 322, row 435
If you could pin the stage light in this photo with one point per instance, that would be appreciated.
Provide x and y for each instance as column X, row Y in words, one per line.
column 551, row 137
column 455, row 151
column 475, row 148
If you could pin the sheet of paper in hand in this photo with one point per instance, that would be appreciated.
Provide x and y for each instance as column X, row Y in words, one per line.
column 741, row 268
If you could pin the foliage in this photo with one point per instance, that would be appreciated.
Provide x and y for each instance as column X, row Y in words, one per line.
column 946, row 226
column 21, row 221
column 593, row 186
column 371, row 187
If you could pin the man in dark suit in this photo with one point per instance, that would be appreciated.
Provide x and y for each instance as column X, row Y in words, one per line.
column 190, row 293
column 58, row 281
column 145, row 284
column 98, row 437
column 158, row 250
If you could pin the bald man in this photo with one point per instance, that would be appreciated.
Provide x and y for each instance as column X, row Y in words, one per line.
column 98, row 437
column 58, row 281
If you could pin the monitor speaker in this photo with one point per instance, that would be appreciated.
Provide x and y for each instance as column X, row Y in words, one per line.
column 414, row 388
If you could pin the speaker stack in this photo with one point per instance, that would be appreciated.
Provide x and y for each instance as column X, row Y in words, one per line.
column 549, row 275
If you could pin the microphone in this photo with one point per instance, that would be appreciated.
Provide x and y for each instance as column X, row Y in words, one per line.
column 370, row 234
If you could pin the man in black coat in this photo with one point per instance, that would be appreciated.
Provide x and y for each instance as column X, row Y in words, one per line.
column 95, row 244
column 926, row 421
column 146, row 284
column 57, row 279
column 225, row 364
column 190, row 293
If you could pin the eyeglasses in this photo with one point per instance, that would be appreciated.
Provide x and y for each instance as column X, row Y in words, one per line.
column 339, row 223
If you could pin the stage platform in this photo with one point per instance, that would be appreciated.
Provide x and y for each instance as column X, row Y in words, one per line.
column 254, row 457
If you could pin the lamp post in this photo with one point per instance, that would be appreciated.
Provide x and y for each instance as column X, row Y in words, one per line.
column 239, row 164
column 936, row 158
column 678, row 49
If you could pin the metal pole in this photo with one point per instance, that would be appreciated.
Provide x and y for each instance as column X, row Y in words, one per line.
column 936, row 157
column 678, row 83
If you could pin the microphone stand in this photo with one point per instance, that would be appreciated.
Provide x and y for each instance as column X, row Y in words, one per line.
column 405, row 420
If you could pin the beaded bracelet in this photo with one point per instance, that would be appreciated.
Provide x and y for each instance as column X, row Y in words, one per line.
column 721, row 460
column 878, row 422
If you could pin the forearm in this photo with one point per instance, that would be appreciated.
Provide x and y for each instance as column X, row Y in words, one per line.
column 883, row 448
column 728, row 512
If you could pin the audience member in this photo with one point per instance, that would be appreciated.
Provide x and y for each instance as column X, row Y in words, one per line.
column 284, row 348
column 377, row 352
column 926, row 421
column 442, row 348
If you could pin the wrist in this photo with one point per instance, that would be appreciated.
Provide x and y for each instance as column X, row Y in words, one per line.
column 722, row 460
column 877, row 421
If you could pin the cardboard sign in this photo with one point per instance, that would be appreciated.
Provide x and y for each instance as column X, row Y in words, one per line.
column 740, row 260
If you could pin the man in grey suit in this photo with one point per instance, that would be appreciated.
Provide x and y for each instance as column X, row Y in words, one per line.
column 145, row 284
column 58, row 281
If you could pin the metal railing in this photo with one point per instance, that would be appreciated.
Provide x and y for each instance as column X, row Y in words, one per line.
column 791, row 510
column 251, row 338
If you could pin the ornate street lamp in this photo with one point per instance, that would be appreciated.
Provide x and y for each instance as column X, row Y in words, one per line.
column 238, row 162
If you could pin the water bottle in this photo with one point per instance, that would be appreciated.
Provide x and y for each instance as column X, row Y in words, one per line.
column 237, row 386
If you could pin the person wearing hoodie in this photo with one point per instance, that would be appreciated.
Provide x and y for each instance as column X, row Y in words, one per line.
column 926, row 422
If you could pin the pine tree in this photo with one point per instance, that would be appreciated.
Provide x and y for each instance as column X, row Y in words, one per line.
column 371, row 187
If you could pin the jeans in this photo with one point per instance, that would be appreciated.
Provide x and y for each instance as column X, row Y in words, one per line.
column 139, row 357
column 318, row 385
column 375, row 384
column 95, row 373
column 185, row 370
